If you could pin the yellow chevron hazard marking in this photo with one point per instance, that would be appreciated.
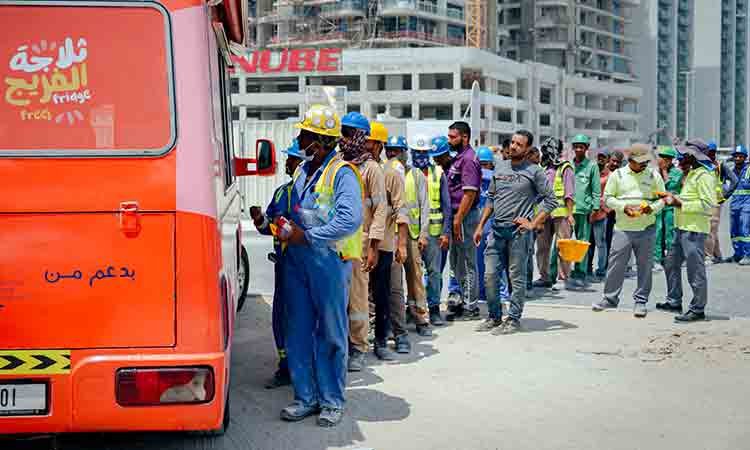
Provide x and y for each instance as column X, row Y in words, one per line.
column 34, row 362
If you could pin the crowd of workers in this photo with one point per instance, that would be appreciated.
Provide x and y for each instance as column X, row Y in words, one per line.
column 365, row 212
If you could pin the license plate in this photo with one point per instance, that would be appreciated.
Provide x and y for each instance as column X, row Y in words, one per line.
column 27, row 399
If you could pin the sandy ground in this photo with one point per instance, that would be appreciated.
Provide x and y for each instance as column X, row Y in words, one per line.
column 573, row 380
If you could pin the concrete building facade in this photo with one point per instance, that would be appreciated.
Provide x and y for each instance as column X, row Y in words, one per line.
column 362, row 23
column 435, row 84
column 593, row 38
column 734, row 73
column 665, row 68
column 719, row 107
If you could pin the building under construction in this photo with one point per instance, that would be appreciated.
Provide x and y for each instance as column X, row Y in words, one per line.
column 413, row 60
column 372, row 23
column 593, row 38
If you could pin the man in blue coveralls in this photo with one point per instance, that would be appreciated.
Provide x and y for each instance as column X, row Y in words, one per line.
column 279, row 206
column 740, row 208
column 326, row 234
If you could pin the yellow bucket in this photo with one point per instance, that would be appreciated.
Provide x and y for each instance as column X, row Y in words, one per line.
column 572, row 250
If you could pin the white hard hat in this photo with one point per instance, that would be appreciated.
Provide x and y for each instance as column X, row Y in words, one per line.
column 420, row 142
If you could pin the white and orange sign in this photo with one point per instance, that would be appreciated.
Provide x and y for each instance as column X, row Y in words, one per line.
column 48, row 72
column 99, row 82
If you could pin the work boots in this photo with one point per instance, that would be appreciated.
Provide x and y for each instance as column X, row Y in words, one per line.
column 403, row 345
column 280, row 378
column 383, row 352
column 435, row 318
column 357, row 361
column 423, row 329
column 669, row 306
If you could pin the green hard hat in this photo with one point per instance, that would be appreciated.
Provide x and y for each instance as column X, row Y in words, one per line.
column 581, row 139
column 665, row 150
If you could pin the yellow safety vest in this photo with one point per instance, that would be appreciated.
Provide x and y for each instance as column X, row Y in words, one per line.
column 559, row 188
column 433, row 190
column 349, row 247
column 410, row 191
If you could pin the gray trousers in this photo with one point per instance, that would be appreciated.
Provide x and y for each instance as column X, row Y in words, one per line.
column 687, row 246
column 641, row 244
column 463, row 258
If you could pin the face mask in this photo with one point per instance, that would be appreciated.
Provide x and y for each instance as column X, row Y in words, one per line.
column 420, row 160
column 353, row 146
column 487, row 174
column 308, row 156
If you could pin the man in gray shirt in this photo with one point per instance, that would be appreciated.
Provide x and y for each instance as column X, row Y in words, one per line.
column 515, row 188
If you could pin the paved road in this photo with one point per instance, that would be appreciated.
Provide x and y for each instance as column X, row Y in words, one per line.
column 574, row 380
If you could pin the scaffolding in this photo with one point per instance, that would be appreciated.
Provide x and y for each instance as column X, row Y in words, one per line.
column 476, row 16
column 311, row 22
column 349, row 23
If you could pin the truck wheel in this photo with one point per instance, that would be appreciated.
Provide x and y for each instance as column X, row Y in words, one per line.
column 243, row 273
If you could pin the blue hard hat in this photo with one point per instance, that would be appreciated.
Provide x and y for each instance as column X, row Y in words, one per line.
column 740, row 150
column 397, row 142
column 440, row 146
column 293, row 149
column 712, row 146
column 356, row 120
column 485, row 154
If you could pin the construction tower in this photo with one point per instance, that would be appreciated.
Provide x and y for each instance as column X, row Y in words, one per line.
column 476, row 17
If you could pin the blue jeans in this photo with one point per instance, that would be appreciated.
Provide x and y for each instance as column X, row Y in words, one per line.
column 512, row 247
column 529, row 263
column 503, row 292
column 317, row 324
column 432, row 258
column 453, row 286
column 600, row 240
column 463, row 256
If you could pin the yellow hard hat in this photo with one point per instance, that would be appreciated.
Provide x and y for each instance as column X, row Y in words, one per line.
column 378, row 132
column 321, row 119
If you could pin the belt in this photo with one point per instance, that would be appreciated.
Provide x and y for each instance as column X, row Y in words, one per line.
column 455, row 210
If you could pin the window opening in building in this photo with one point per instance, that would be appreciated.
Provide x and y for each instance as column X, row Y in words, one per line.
column 545, row 96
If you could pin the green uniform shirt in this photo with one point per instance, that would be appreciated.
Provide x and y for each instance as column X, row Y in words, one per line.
column 674, row 182
column 698, row 197
column 625, row 187
column 588, row 188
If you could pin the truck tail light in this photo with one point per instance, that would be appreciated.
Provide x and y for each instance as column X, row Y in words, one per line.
column 164, row 386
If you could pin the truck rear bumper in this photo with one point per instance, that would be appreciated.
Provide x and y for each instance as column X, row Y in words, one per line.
column 84, row 400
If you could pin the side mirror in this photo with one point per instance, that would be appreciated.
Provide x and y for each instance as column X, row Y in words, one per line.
column 264, row 161
column 265, row 155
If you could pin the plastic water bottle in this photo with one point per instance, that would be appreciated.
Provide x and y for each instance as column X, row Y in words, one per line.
column 285, row 227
